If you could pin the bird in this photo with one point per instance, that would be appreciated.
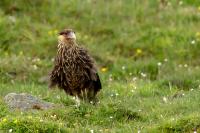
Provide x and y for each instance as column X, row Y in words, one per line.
column 74, row 69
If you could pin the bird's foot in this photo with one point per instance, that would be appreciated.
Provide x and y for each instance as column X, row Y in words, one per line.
column 78, row 101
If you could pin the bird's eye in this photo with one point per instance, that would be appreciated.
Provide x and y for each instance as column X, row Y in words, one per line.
column 61, row 33
column 74, row 32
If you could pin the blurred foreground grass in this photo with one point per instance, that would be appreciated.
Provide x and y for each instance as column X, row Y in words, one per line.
column 147, row 53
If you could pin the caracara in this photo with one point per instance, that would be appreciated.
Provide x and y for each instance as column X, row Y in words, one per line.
column 74, row 70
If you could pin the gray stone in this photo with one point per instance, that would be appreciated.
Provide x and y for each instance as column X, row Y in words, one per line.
column 24, row 101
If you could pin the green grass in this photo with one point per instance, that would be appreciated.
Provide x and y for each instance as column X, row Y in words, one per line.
column 150, row 54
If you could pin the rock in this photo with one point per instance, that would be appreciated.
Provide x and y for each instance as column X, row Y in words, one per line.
column 26, row 101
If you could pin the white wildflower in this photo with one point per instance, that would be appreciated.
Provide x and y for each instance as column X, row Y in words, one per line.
column 111, row 117
column 185, row 65
column 35, row 67
column 193, row 42
column 58, row 97
column 123, row 67
column 10, row 130
column 143, row 74
column 166, row 60
column 159, row 63
column 91, row 131
column 181, row 2
column 134, row 78
column 180, row 65
column 165, row 99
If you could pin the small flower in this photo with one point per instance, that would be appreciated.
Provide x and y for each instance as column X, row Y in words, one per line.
column 130, row 74
column 104, row 69
column 185, row 65
column 134, row 78
column 21, row 53
column 132, row 90
column 91, row 131
column 165, row 99
column 138, row 51
column 15, row 121
column 10, row 130
column 4, row 120
column 52, row 59
column 55, row 31
column 169, row 3
column 111, row 117
column 110, row 79
column 116, row 94
column 180, row 65
column 197, row 34
column 180, row 2
column 111, row 95
column 123, row 67
column 58, row 97
column 165, row 60
column 30, row 117
column 50, row 33
column 143, row 74
column 159, row 63
column 193, row 42
column 35, row 67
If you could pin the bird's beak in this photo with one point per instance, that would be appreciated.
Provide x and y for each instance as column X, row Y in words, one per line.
column 71, row 35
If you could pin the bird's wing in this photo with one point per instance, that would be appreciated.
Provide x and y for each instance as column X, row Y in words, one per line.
column 54, row 77
column 89, row 65
column 57, row 75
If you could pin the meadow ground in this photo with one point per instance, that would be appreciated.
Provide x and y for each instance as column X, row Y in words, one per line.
column 147, row 54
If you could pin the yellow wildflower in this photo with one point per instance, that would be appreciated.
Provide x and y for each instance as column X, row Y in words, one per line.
column 15, row 121
column 4, row 120
column 197, row 35
column 104, row 69
column 50, row 32
column 6, row 53
column 21, row 53
column 138, row 51
column 55, row 31
column 29, row 117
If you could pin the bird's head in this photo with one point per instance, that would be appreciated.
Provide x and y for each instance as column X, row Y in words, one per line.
column 67, row 35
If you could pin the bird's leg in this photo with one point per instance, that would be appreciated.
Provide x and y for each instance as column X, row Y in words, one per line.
column 77, row 101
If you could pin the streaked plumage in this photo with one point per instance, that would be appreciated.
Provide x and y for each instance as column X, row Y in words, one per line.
column 74, row 70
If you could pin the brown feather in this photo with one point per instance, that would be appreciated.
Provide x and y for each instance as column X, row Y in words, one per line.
column 74, row 71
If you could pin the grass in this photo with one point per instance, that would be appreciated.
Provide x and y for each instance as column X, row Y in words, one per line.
column 147, row 54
